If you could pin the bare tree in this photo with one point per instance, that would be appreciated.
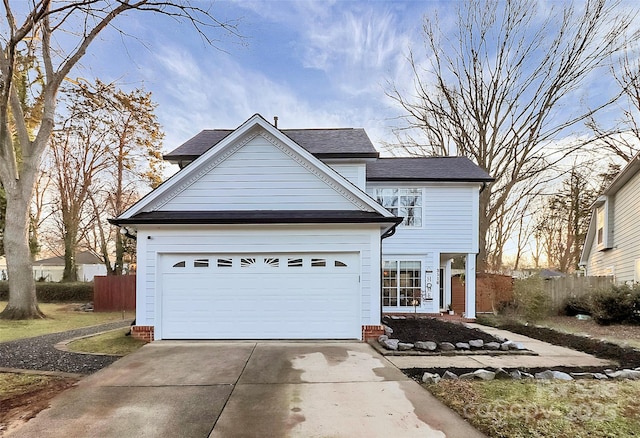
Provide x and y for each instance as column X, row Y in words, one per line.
column 504, row 87
column 34, row 32
column 132, row 139
column 78, row 154
column 41, row 210
column 623, row 139
column 563, row 220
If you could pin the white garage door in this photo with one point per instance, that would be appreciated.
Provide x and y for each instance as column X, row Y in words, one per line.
column 260, row 296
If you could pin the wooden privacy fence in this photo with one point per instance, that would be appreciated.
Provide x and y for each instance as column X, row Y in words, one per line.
column 114, row 293
column 492, row 291
column 561, row 288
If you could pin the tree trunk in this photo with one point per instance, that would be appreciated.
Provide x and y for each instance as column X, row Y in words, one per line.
column 119, row 264
column 70, row 272
column 484, row 222
column 70, row 232
column 22, row 299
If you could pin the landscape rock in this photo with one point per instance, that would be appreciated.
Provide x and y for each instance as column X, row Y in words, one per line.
column 425, row 345
column 516, row 375
column 463, row 346
column 476, row 343
column 526, row 375
column 430, row 378
column 623, row 374
column 404, row 346
column 447, row 346
column 478, row 375
column 501, row 374
column 391, row 344
column 448, row 375
column 398, row 317
column 505, row 346
column 382, row 338
column 387, row 330
column 492, row 346
column 553, row 375
column 588, row 376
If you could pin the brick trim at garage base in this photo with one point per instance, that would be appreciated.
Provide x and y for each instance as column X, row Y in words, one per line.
column 371, row 332
column 142, row 332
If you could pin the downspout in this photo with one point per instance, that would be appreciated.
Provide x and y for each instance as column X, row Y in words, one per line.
column 390, row 232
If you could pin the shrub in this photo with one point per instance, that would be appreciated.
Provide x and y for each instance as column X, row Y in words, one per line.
column 577, row 305
column 48, row 292
column 530, row 298
column 616, row 304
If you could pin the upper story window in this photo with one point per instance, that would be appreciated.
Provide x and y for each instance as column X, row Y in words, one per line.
column 405, row 203
column 603, row 225
column 600, row 225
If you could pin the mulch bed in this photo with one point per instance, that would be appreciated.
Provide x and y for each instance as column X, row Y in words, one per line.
column 627, row 357
column 414, row 329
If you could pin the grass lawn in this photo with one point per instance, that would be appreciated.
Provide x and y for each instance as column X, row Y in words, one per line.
column 60, row 317
column 113, row 342
column 503, row 408
column 12, row 384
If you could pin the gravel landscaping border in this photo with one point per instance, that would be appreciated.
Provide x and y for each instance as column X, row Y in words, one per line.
column 39, row 352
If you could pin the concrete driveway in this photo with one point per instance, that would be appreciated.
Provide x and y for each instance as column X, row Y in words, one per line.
column 248, row 389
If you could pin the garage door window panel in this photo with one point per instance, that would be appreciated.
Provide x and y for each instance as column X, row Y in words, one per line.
column 201, row 263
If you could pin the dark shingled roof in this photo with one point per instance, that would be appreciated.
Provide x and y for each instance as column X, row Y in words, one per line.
column 257, row 217
column 426, row 169
column 323, row 143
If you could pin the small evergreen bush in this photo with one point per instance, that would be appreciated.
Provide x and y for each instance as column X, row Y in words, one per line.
column 617, row 304
column 577, row 305
column 530, row 298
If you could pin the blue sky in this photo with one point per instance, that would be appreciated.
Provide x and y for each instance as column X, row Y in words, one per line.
column 313, row 64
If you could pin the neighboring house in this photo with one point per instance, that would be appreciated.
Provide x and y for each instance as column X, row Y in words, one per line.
column 51, row 269
column 268, row 233
column 612, row 246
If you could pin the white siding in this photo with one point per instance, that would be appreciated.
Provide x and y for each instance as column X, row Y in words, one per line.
column 361, row 239
column 259, row 176
column 450, row 221
column 352, row 172
column 626, row 236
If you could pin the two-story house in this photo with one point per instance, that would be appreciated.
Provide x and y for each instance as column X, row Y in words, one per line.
column 612, row 245
column 299, row 233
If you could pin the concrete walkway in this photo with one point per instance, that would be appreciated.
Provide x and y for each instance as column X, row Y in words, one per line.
column 548, row 356
column 248, row 389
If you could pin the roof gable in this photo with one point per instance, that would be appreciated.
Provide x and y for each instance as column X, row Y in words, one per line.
column 256, row 167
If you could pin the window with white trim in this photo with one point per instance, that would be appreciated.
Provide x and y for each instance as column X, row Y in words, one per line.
column 405, row 203
column 401, row 283
column 600, row 225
